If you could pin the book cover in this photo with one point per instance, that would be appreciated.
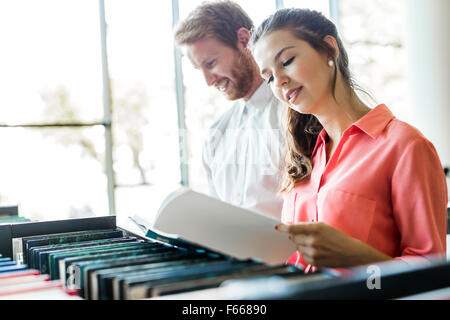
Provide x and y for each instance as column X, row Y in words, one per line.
column 189, row 218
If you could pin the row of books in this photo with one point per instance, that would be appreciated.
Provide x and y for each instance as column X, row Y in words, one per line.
column 113, row 265
column 13, row 219
column 10, row 215
column 18, row 282
column 106, row 262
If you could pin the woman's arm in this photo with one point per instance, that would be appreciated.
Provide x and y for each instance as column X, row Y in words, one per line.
column 419, row 201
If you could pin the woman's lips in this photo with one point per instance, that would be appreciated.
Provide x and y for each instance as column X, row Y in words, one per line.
column 292, row 94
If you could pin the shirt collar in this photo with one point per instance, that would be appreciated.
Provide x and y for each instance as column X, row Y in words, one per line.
column 375, row 121
column 260, row 97
column 320, row 139
column 372, row 124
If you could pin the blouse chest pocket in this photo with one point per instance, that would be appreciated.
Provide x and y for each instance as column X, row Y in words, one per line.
column 348, row 212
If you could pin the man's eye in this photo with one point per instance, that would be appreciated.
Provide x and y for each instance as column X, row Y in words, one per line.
column 270, row 79
column 288, row 62
column 210, row 64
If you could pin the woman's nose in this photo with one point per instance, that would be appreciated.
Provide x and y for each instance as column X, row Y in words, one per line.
column 280, row 79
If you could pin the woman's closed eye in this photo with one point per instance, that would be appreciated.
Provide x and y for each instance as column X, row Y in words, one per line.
column 284, row 64
column 288, row 62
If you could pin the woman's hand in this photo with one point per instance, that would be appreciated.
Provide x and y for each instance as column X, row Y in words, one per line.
column 322, row 245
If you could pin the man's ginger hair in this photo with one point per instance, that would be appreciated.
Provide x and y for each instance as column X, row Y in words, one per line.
column 219, row 20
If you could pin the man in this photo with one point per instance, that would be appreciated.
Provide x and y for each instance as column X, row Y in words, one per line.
column 242, row 152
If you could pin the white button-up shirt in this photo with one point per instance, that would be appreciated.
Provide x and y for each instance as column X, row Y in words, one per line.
column 242, row 153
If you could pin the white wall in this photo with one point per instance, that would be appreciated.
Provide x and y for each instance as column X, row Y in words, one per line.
column 428, row 47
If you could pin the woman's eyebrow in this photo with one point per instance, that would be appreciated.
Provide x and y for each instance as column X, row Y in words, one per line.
column 277, row 56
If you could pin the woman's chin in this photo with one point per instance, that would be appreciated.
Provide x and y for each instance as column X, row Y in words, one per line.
column 298, row 108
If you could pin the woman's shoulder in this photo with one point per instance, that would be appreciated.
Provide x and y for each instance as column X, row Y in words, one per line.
column 405, row 133
column 407, row 139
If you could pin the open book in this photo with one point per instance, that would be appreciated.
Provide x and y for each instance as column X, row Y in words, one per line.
column 187, row 216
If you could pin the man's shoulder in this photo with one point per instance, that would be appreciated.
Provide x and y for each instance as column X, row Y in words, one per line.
column 223, row 121
column 221, row 124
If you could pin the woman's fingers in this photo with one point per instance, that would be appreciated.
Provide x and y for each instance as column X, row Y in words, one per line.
column 308, row 239
column 297, row 228
column 300, row 239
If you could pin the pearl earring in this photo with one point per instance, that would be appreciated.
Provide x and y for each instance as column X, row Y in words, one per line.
column 331, row 63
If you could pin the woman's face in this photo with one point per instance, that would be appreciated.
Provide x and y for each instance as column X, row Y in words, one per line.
column 298, row 74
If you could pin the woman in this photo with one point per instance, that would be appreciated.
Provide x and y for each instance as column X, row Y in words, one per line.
column 360, row 186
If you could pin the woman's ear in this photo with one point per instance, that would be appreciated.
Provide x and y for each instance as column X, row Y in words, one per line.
column 331, row 41
column 243, row 37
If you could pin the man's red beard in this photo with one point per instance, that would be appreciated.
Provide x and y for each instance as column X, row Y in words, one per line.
column 243, row 77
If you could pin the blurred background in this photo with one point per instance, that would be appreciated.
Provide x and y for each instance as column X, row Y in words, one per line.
column 100, row 114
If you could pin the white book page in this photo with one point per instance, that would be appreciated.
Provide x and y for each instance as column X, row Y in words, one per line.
column 222, row 227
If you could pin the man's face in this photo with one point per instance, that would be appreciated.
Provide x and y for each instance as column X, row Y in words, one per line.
column 228, row 70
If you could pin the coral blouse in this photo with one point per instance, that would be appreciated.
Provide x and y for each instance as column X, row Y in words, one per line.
column 383, row 185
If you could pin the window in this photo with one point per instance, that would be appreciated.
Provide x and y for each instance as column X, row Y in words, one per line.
column 372, row 34
column 51, row 75
column 53, row 173
column 318, row 5
column 47, row 52
column 144, row 109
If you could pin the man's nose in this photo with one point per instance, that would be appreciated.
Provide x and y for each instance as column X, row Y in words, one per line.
column 210, row 78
